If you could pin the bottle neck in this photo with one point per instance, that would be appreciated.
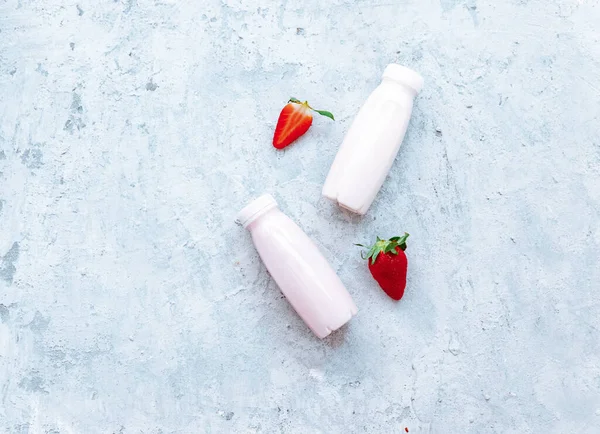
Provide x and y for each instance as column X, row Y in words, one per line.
column 404, row 76
column 256, row 209
column 260, row 216
column 403, row 87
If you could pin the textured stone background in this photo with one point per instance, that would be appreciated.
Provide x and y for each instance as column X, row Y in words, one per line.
column 131, row 132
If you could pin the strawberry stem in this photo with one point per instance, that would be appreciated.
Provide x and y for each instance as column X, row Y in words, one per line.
column 321, row 112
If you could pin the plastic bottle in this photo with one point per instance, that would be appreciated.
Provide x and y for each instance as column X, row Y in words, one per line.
column 298, row 267
column 370, row 146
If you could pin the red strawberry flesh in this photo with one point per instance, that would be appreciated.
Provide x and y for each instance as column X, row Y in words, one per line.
column 294, row 121
column 388, row 265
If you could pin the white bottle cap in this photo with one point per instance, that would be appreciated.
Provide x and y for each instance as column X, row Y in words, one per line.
column 255, row 209
column 404, row 75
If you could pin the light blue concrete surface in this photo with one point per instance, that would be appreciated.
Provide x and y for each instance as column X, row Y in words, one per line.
column 131, row 132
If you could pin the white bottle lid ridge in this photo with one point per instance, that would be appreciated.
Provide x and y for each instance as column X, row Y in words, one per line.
column 255, row 209
column 404, row 75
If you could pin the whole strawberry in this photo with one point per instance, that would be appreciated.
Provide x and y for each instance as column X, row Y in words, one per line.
column 294, row 120
column 388, row 264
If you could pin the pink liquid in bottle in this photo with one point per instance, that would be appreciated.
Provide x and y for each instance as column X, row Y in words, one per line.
column 298, row 267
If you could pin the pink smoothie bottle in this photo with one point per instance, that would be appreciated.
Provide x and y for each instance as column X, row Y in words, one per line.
column 298, row 267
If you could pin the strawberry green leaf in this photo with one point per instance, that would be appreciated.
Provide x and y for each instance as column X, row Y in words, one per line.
column 374, row 258
column 402, row 241
column 384, row 247
column 326, row 113
column 295, row 100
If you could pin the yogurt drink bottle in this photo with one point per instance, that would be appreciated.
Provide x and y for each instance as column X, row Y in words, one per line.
column 298, row 267
column 372, row 142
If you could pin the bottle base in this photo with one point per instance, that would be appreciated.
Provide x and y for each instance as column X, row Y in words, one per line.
column 352, row 209
column 321, row 334
column 329, row 194
column 334, row 198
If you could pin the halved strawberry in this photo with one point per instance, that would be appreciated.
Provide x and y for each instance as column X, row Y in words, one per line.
column 294, row 120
